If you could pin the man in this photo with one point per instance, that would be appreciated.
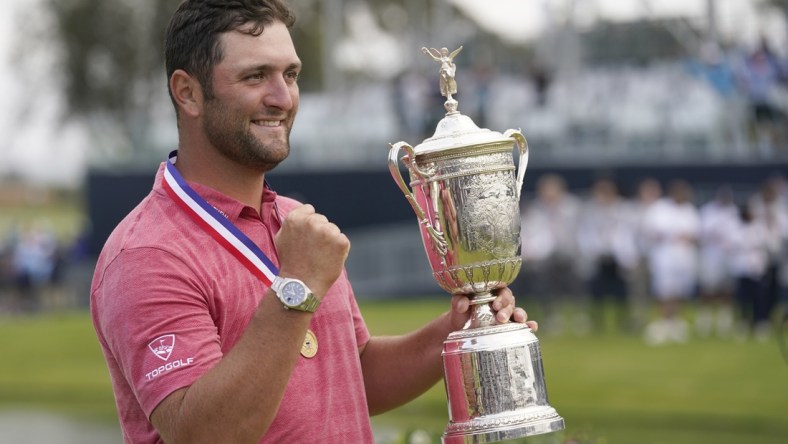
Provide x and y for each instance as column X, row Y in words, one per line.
column 201, row 348
column 672, row 225
column 719, row 219
column 607, row 250
column 555, row 273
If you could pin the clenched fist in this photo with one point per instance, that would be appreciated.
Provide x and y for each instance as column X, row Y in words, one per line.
column 311, row 249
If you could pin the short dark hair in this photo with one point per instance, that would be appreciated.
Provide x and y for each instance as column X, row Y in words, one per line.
column 192, row 39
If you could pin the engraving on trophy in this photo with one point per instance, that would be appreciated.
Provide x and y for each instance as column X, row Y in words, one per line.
column 490, row 372
column 465, row 191
column 493, row 214
column 523, row 383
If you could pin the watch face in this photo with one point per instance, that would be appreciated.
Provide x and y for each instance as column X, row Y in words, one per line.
column 293, row 294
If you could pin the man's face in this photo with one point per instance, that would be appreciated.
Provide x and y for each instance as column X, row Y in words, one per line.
column 255, row 97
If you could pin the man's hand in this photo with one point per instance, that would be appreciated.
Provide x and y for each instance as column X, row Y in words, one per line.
column 504, row 306
column 311, row 248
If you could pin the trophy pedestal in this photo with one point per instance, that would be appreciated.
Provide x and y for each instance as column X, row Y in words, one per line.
column 495, row 385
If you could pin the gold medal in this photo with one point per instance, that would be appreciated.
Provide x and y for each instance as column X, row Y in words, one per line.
column 309, row 347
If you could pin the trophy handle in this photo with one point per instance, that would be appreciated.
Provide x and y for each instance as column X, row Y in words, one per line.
column 522, row 146
column 438, row 242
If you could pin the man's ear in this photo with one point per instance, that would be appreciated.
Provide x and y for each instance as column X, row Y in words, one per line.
column 187, row 93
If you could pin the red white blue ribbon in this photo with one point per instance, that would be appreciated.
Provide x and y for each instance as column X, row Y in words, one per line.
column 217, row 225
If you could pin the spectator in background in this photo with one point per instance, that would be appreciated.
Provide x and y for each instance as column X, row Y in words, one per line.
column 672, row 226
column 541, row 79
column 483, row 78
column 718, row 220
column 537, row 246
column 781, row 185
column 552, row 220
column 649, row 191
column 749, row 258
column 410, row 91
column 713, row 67
column 34, row 260
column 7, row 244
column 770, row 210
column 607, row 250
column 761, row 81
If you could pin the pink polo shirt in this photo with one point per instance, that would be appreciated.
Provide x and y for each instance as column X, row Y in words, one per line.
column 168, row 302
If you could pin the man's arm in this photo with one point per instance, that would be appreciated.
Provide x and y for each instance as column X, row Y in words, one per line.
column 398, row 369
column 237, row 400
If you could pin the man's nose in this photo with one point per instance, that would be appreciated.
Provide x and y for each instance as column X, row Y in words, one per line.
column 279, row 94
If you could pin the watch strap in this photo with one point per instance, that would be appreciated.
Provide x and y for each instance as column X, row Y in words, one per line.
column 310, row 304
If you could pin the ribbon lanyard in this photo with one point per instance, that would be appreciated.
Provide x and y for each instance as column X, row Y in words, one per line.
column 216, row 224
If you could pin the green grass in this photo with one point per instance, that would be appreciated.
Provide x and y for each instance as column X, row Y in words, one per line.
column 54, row 363
column 63, row 216
column 613, row 389
column 609, row 388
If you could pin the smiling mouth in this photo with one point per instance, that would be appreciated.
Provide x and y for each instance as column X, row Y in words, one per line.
column 268, row 123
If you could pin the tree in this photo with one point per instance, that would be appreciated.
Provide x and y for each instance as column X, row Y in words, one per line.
column 112, row 68
column 782, row 5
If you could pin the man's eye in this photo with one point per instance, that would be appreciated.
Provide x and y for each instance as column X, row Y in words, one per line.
column 292, row 75
column 256, row 76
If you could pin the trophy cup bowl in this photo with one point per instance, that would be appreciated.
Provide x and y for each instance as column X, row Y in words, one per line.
column 465, row 191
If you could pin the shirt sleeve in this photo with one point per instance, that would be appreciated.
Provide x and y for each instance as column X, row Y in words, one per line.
column 155, row 321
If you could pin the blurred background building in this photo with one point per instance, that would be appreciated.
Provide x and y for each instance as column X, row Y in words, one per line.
column 679, row 89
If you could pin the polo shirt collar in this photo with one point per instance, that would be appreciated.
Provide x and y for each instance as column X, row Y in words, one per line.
column 228, row 206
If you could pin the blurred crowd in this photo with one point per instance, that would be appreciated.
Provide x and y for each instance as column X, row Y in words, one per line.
column 32, row 261
column 753, row 83
column 663, row 264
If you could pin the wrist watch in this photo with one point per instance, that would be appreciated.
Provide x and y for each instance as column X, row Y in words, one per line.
column 294, row 294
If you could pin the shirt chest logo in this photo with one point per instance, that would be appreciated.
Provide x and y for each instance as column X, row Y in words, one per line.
column 162, row 346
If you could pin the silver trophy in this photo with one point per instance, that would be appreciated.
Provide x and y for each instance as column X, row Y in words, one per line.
column 465, row 191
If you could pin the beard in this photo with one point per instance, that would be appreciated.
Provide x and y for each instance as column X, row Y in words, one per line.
column 230, row 133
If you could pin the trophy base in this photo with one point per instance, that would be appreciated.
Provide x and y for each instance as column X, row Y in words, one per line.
column 495, row 385
column 517, row 426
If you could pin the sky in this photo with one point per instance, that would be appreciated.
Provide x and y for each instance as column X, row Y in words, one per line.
column 519, row 20
column 38, row 147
